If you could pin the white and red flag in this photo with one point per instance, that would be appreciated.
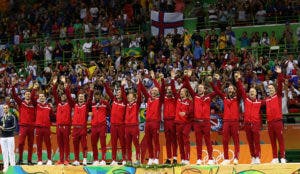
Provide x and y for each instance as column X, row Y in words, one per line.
column 164, row 23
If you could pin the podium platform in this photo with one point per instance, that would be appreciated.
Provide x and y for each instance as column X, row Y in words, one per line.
column 289, row 168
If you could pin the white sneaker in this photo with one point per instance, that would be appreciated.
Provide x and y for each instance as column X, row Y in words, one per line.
column 283, row 160
column 49, row 163
column 124, row 163
column 187, row 162
column 150, row 161
column 102, row 163
column 235, row 161
column 252, row 160
column 257, row 160
column 84, row 162
column 114, row 163
column 225, row 162
column 155, row 161
column 95, row 163
column 183, row 162
column 199, row 162
column 274, row 161
column 211, row 162
column 40, row 163
column 5, row 169
column 76, row 163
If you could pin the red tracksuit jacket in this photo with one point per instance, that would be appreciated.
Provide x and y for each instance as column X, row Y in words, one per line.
column 274, row 103
column 231, row 106
column 132, row 109
column 80, row 111
column 63, row 109
column 169, row 102
column 26, row 110
column 118, row 106
column 153, row 105
column 252, row 108
column 43, row 112
column 186, row 106
column 100, row 111
column 201, row 103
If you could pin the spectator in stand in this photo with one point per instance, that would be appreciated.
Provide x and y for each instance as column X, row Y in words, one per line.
column 87, row 48
column 58, row 51
column 48, row 52
column 245, row 41
column 261, row 15
column 273, row 39
column 287, row 37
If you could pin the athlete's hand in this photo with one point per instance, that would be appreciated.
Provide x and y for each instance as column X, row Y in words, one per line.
column 54, row 80
column 182, row 114
column 278, row 69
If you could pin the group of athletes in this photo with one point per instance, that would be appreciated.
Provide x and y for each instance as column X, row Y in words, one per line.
column 182, row 109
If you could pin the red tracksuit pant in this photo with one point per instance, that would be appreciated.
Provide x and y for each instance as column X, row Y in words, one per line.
column 275, row 129
column 63, row 140
column 43, row 135
column 202, row 129
column 26, row 131
column 183, row 139
column 144, row 148
column 171, row 142
column 132, row 134
column 118, row 132
column 231, row 129
column 99, row 132
column 79, row 136
column 252, row 132
column 152, row 135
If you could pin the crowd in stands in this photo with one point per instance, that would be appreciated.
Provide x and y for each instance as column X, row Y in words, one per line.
column 255, row 11
column 195, row 51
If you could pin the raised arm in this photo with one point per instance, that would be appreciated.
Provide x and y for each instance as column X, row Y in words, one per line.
column 188, row 86
column 69, row 97
column 55, row 95
column 139, row 95
column 15, row 95
column 218, row 91
column 279, row 84
column 144, row 91
column 108, row 91
column 123, row 93
column 91, row 93
column 241, row 89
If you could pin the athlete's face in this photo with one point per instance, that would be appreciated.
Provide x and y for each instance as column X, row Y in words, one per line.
column 271, row 89
column 42, row 98
column 27, row 95
column 183, row 93
column 63, row 97
column 154, row 92
column 252, row 93
column 119, row 94
column 169, row 91
column 81, row 98
column 5, row 109
column 201, row 89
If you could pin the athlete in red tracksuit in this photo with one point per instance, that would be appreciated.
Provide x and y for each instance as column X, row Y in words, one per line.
column 169, row 94
column 153, row 116
column 63, row 125
column 100, row 109
column 201, row 121
column 117, row 129
column 274, row 118
column 26, row 123
column 184, row 112
column 79, row 123
column 42, row 126
column 132, row 131
column 252, row 120
column 231, row 122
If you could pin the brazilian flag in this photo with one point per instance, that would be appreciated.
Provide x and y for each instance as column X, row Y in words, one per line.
column 135, row 52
